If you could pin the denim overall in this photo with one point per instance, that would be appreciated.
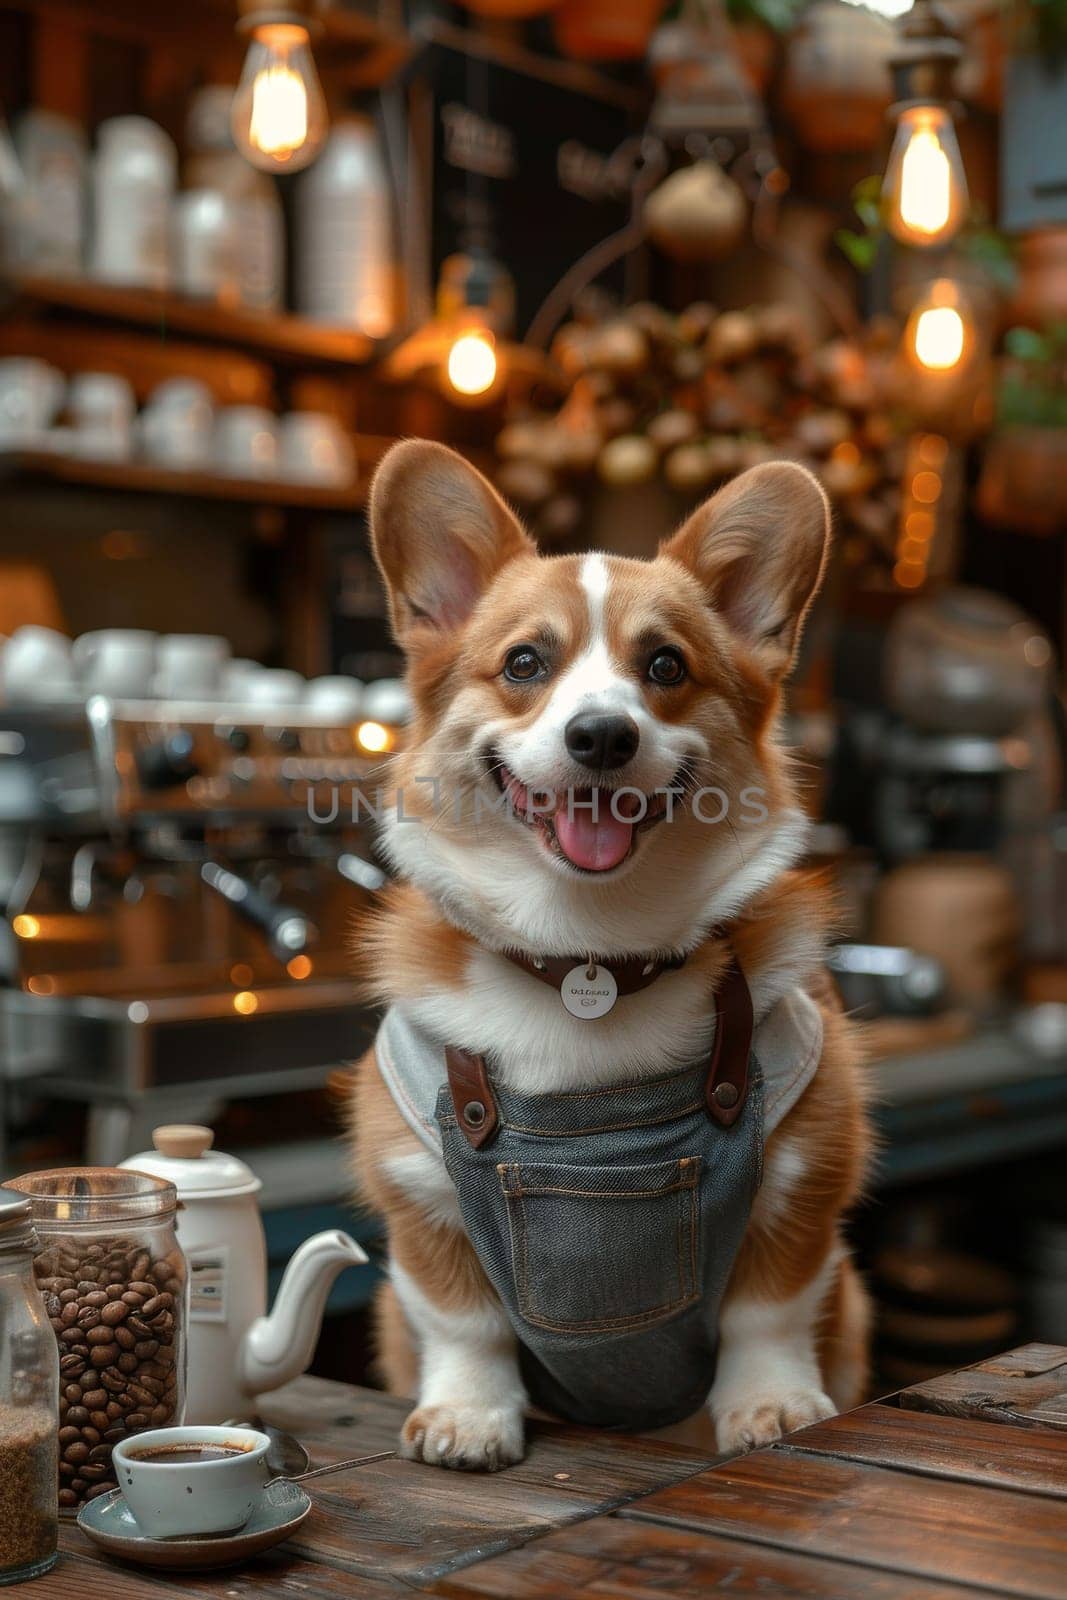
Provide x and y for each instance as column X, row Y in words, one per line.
column 608, row 1220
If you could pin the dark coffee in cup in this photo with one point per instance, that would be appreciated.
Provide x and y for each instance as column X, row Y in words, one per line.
column 182, row 1455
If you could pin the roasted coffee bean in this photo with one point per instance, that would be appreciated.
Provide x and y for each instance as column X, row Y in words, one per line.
column 78, row 1484
column 71, row 1366
column 101, row 1488
column 100, row 1419
column 114, row 1312
column 138, row 1326
column 127, row 1363
column 101, row 1335
column 160, row 1415
column 145, row 1349
column 73, row 1393
column 104, row 1355
column 124, row 1338
column 102, row 1452
column 139, row 1286
column 67, row 1296
column 89, row 1317
column 52, row 1305
column 69, row 1314
column 97, row 1299
column 76, row 1453
column 78, row 1416
column 67, row 1497
column 136, row 1419
column 69, row 1435
column 113, row 1409
column 93, row 1471
column 95, row 1398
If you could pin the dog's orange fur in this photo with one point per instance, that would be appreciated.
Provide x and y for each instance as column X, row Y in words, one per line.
column 409, row 947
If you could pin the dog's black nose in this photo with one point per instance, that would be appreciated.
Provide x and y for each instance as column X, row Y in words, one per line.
column 600, row 741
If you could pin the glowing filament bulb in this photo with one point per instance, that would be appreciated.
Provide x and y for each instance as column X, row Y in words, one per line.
column 939, row 337
column 925, row 189
column 279, row 114
column 925, row 184
column 472, row 364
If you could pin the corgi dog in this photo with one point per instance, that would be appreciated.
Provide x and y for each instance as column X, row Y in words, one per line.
column 613, row 1117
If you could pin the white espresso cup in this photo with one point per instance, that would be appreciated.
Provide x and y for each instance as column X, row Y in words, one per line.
column 102, row 407
column 274, row 687
column 316, row 449
column 190, row 666
column 31, row 393
column 177, row 425
column 174, row 1497
column 37, row 665
column 246, row 442
column 116, row 661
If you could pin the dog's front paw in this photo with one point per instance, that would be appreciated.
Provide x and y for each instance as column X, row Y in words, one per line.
column 760, row 1419
column 466, row 1437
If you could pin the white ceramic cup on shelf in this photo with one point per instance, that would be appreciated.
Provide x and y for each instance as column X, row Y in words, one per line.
column 37, row 666
column 102, row 408
column 177, row 425
column 190, row 666
column 315, row 448
column 116, row 661
column 274, row 688
column 31, row 393
column 335, row 697
column 246, row 442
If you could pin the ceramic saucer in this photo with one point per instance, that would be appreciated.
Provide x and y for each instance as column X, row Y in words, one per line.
column 109, row 1523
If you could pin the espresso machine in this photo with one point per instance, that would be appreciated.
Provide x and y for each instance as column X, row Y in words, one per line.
column 178, row 884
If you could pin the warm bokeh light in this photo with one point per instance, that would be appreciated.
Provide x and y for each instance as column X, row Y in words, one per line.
column 279, row 114
column 241, row 975
column 925, row 188
column 245, row 1002
column 373, row 736
column 926, row 488
column 472, row 363
column 939, row 338
column 299, row 967
column 26, row 927
column 43, row 983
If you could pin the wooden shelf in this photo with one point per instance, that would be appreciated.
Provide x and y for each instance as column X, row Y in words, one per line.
column 293, row 340
column 135, row 477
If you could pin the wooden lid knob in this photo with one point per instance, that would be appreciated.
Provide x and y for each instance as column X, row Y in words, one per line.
column 185, row 1139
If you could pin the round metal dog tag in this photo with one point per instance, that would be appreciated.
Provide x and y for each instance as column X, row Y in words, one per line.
column 589, row 992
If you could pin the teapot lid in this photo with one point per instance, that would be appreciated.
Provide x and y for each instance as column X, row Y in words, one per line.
column 183, row 1154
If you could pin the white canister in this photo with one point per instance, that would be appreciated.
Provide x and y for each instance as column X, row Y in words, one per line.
column 344, row 233
column 52, row 151
column 207, row 245
column 134, row 175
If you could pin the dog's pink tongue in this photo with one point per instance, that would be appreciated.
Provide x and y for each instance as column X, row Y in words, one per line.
column 595, row 845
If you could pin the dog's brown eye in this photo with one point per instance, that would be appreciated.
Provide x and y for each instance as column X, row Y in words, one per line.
column 666, row 667
column 523, row 664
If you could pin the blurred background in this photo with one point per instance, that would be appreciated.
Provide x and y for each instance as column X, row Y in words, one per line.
column 615, row 253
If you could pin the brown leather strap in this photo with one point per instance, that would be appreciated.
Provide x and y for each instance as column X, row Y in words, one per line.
column 631, row 973
column 472, row 1095
column 727, row 1082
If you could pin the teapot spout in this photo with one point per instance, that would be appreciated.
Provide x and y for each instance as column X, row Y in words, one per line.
column 280, row 1346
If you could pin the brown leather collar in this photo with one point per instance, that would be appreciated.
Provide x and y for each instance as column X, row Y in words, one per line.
column 725, row 1084
column 631, row 973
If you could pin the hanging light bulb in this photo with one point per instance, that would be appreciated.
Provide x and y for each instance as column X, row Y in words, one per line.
column 940, row 332
column 925, row 187
column 472, row 363
column 924, row 192
column 278, row 117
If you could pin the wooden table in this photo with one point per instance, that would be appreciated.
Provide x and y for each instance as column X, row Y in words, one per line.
column 956, row 1488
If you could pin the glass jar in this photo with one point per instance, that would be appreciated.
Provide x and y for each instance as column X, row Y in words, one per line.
column 114, row 1283
column 29, row 1388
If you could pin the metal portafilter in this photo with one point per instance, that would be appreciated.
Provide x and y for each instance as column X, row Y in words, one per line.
column 288, row 931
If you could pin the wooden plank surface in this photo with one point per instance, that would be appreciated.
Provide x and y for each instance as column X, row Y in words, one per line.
column 1024, row 1388
column 1030, row 1460
column 83, row 1573
column 612, row 1558
column 932, row 1528
column 415, row 1523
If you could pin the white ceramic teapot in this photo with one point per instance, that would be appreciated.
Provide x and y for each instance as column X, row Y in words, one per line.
column 236, row 1351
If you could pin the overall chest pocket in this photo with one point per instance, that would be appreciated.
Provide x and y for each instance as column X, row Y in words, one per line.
column 603, row 1249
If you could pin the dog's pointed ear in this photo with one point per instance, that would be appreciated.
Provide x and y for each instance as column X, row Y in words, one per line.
column 440, row 534
column 758, row 548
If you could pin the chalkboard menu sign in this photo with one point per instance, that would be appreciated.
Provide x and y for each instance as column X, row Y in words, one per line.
column 521, row 156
